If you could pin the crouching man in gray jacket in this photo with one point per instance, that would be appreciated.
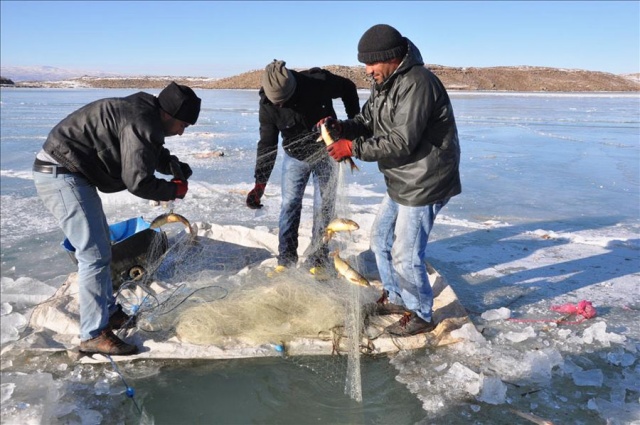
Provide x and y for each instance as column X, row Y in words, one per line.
column 110, row 145
column 407, row 126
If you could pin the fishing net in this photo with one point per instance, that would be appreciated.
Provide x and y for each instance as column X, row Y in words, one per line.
column 280, row 312
column 211, row 286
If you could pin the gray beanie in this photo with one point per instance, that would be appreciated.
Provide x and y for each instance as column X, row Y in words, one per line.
column 180, row 102
column 278, row 82
column 380, row 43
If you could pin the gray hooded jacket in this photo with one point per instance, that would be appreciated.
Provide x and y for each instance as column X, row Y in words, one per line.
column 407, row 126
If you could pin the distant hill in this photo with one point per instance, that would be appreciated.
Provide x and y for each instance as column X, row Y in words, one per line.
column 46, row 73
column 502, row 78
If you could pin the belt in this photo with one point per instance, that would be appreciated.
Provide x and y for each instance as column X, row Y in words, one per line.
column 54, row 169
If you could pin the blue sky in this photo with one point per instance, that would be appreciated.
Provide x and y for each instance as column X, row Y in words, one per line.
column 218, row 39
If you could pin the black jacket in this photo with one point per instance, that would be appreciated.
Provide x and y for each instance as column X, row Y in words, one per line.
column 117, row 144
column 311, row 101
column 407, row 126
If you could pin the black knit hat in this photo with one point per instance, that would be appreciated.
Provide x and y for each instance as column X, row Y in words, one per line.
column 380, row 43
column 180, row 102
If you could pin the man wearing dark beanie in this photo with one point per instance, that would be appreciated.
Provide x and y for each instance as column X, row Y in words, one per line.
column 407, row 126
column 110, row 145
column 291, row 102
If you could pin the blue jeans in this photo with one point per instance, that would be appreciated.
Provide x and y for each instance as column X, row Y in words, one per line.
column 75, row 203
column 399, row 239
column 295, row 176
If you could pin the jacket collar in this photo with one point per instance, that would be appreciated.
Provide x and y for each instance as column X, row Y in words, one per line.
column 411, row 59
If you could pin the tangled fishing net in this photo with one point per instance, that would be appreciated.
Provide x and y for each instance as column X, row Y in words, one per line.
column 211, row 288
column 278, row 312
column 207, row 290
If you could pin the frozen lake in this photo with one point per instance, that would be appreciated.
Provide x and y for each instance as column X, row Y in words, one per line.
column 549, row 214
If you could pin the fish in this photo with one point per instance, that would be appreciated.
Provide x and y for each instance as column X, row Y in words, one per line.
column 328, row 140
column 170, row 217
column 348, row 272
column 338, row 225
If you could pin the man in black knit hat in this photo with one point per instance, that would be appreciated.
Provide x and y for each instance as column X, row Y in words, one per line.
column 110, row 145
column 291, row 102
column 408, row 127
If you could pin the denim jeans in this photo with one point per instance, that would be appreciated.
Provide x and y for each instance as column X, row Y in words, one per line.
column 399, row 239
column 295, row 176
column 75, row 203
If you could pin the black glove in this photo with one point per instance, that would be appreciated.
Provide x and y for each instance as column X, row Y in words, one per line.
column 253, row 198
column 180, row 170
column 332, row 124
column 186, row 170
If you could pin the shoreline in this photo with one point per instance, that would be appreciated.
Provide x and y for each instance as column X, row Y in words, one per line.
column 491, row 79
column 591, row 93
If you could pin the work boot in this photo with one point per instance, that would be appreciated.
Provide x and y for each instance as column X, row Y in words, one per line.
column 107, row 343
column 120, row 319
column 410, row 324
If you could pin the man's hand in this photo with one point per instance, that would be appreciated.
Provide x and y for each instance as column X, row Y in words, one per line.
column 253, row 198
column 181, row 189
column 340, row 149
column 186, row 170
column 180, row 170
column 332, row 124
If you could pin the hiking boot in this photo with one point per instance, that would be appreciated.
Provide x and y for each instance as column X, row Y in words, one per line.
column 383, row 309
column 107, row 343
column 121, row 320
column 410, row 324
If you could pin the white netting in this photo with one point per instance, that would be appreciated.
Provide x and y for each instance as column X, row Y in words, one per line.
column 213, row 287
column 279, row 312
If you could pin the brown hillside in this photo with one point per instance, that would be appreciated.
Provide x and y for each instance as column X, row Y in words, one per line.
column 521, row 79
column 503, row 78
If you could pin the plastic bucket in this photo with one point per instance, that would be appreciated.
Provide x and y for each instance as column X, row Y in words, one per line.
column 134, row 245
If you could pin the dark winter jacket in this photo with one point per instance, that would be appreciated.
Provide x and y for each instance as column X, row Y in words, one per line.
column 117, row 144
column 311, row 101
column 407, row 126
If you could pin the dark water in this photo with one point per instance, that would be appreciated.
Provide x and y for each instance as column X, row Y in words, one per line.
column 275, row 391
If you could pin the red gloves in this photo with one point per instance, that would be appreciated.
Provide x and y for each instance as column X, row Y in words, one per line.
column 253, row 198
column 340, row 149
column 181, row 188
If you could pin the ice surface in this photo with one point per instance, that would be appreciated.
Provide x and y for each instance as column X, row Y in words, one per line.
column 620, row 358
column 541, row 363
column 468, row 332
column 28, row 398
column 588, row 378
column 598, row 332
column 541, row 248
column 527, row 333
column 24, row 292
column 493, row 390
column 501, row 313
column 463, row 377
column 614, row 413
column 11, row 326
column 5, row 308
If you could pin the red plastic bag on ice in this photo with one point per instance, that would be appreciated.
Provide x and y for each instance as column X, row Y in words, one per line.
column 583, row 308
